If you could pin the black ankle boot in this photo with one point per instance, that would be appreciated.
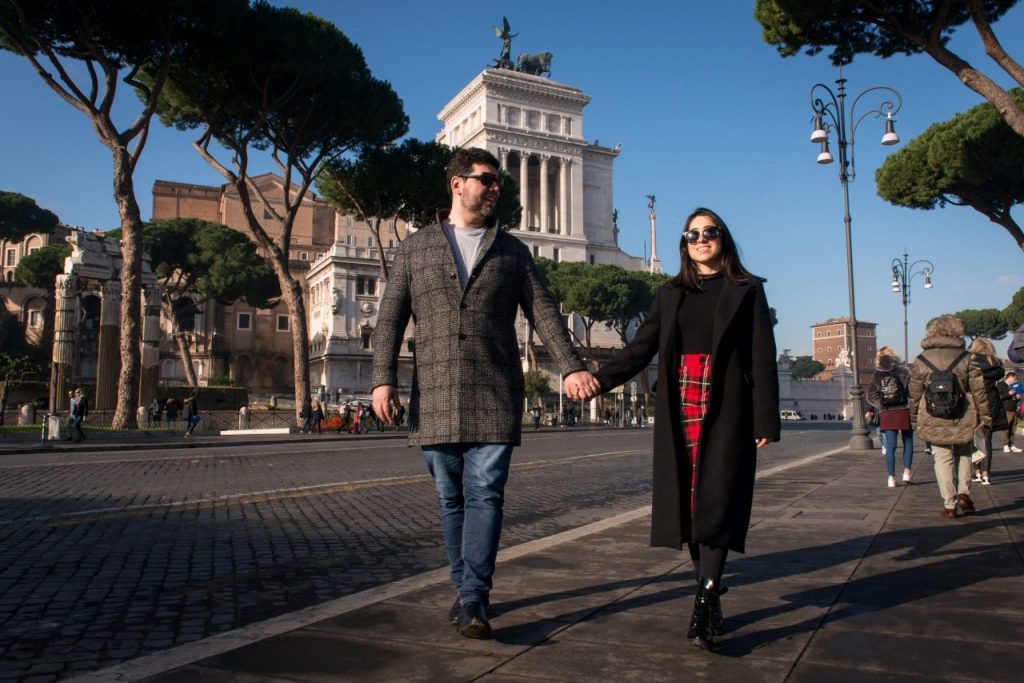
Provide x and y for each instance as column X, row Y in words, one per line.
column 717, row 617
column 702, row 630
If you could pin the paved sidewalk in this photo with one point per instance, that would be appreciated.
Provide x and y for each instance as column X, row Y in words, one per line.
column 844, row 580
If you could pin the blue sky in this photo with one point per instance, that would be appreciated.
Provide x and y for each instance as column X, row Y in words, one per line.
column 707, row 115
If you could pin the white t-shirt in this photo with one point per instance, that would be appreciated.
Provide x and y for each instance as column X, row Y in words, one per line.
column 465, row 243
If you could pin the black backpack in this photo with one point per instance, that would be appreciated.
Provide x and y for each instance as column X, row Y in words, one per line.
column 891, row 391
column 944, row 397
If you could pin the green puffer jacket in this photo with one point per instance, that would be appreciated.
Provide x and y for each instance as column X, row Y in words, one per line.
column 941, row 351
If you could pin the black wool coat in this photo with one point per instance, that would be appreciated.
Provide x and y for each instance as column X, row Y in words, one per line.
column 744, row 406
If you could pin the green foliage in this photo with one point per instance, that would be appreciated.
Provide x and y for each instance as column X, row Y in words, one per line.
column 20, row 215
column 1013, row 314
column 204, row 260
column 973, row 159
column 805, row 367
column 286, row 81
column 40, row 268
column 983, row 322
column 775, row 318
column 537, row 384
column 851, row 27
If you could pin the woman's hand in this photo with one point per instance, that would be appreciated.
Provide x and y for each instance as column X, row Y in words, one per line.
column 761, row 443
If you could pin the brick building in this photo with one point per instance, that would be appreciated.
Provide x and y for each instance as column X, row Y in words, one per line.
column 830, row 341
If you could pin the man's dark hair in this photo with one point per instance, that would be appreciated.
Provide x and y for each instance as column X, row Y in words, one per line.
column 463, row 160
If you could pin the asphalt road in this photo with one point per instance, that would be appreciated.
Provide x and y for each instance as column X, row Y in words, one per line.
column 107, row 556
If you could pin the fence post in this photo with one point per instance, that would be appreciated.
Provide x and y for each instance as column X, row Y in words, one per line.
column 243, row 417
column 143, row 417
column 27, row 414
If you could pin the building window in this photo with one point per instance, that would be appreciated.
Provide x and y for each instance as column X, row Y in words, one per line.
column 556, row 254
column 303, row 255
column 369, row 242
column 366, row 285
column 245, row 321
column 367, row 333
column 591, row 259
column 282, row 323
column 536, row 251
column 11, row 255
column 391, row 244
column 35, row 318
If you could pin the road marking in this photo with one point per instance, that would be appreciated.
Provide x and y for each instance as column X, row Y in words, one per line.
column 75, row 517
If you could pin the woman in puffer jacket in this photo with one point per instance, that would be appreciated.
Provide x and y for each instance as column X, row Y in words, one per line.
column 891, row 402
column 992, row 370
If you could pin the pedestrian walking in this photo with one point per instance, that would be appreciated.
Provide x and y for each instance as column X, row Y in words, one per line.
column 171, row 410
column 711, row 329
column 992, row 372
column 80, row 412
column 535, row 414
column 889, row 398
column 1010, row 394
column 191, row 413
column 947, row 402
column 71, row 416
column 345, row 413
column 464, row 280
column 155, row 410
column 316, row 416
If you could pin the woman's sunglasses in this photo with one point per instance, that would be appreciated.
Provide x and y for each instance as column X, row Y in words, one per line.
column 709, row 234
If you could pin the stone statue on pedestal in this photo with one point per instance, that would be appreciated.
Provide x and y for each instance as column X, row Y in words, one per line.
column 504, row 60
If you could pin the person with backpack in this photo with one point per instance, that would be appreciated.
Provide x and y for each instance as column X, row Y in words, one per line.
column 889, row 397
column 947, row 403
column 992, row 370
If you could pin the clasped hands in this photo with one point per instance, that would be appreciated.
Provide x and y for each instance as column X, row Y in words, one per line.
column 582, row 386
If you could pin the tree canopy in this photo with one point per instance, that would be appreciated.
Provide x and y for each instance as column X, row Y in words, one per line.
column 84, row 51
column 973, row 159
column 888, row 27
column 292, row 85
column 40, row 268
column 1013, row 314
column 21, row 216
column 983, row 322
column 805, row 367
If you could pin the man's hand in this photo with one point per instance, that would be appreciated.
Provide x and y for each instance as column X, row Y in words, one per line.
column 385, row 402
column 582, row 386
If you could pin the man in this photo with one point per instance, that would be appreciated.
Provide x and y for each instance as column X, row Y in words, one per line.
column 463, row 280
column 71, row 416
column 80, row 411
column 951, row 438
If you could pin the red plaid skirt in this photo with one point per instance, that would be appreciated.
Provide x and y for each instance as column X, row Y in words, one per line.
column 694, row 392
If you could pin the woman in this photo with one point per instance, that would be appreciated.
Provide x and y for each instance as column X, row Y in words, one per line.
column 889, row 397
column 992, row 371
column 317, row 416
column 191, row 413
column 712, row 331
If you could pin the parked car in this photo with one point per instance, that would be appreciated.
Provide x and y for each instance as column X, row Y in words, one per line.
column 790, row 415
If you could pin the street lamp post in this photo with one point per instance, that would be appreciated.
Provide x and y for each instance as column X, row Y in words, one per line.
column 830, row 117
column 902, row 276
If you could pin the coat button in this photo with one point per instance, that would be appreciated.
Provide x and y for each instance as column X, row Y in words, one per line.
column 462, row 336
column 453, row 275
column 463, row 305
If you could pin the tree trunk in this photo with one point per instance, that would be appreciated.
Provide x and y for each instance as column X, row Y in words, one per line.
column 184, row 353
column 981, row 84
column 291, row 292
column 375, row 228
column 131, row 291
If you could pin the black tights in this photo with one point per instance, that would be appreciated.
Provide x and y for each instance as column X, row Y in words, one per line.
column 708, row 561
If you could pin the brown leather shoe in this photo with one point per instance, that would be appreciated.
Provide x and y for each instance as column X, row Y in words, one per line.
column 949, row 512
column 966, row 505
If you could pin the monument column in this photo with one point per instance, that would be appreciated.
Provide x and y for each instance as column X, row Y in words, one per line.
column 150, row 378
column 63, row 342
column 503, row 157
column 563, row 196
column 544, row 199
column 108, row 361
column 524, row 189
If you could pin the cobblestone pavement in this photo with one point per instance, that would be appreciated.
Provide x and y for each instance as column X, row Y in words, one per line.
column 105, row 561
column 106, row 557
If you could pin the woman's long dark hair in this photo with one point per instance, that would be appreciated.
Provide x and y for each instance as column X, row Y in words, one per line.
column 731, row 266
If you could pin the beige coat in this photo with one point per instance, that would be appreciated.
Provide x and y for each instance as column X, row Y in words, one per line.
column 941, row 351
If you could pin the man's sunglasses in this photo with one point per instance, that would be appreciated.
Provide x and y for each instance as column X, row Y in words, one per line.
column 709, row 234
column 485, row 179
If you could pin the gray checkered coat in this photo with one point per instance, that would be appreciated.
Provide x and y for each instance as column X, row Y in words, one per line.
column 468, row 380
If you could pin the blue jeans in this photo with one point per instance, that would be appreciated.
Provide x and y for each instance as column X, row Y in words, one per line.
column 470, row 481
column 889, row 441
